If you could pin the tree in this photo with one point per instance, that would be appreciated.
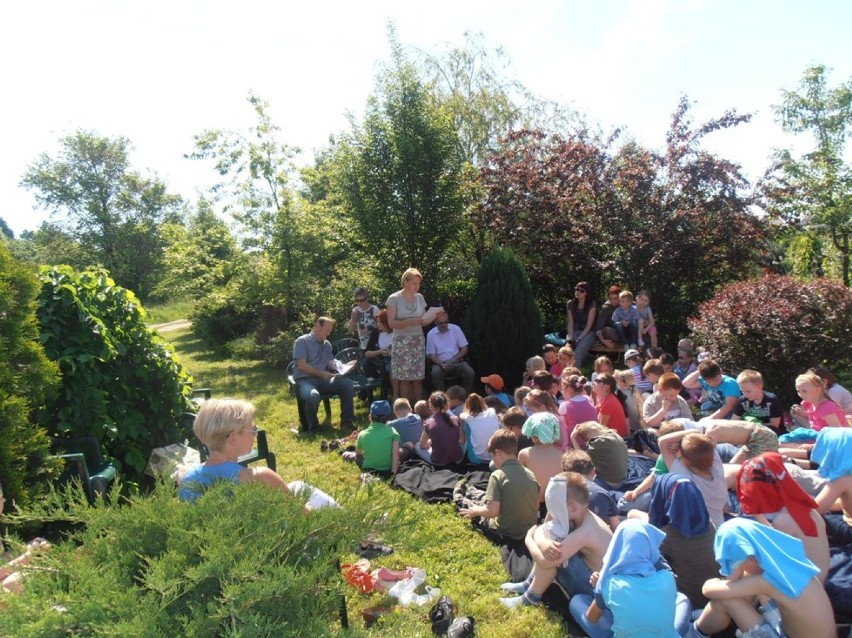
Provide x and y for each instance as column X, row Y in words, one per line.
column 49, row 243
column 580, row 208
column 121, row 382
column 503, row 322
column 398, row 174
column 27, row 379
column 5, row 230
column 814, row 191
column 197, row 258
column 111, row 210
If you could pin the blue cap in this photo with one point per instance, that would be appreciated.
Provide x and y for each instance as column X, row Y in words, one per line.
column 380, row 409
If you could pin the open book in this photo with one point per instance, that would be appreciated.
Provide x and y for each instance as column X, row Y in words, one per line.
column 345, row 368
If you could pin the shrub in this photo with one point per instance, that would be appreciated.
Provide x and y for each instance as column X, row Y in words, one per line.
column 780, row 326
column 503, row 323
column 26, row 377
column 243, row 560
column 121, row 382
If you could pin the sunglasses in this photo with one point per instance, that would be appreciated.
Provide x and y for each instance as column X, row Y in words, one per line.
column 579, row 290
column 361, row 299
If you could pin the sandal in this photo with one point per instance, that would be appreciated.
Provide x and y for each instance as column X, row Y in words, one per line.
column 358, row 575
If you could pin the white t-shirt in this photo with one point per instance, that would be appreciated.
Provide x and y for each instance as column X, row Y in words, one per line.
column 842, row 397
column 482, row 426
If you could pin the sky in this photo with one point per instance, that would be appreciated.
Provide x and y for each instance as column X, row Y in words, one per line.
column 161, row 71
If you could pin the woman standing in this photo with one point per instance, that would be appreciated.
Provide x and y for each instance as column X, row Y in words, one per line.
column 581, row 311
column 406, row 308
column 363, row 317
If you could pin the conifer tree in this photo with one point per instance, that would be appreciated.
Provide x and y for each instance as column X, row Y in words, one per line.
column 503, row 323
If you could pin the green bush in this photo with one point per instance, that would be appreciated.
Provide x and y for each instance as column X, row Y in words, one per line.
column 26, row 378
column 121, row 382
column 503, row 323
column 780, row 326
column 243, row 560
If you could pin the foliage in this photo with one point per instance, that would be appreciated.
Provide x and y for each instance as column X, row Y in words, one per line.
column 780, row 326
column 503, row 323
column 43, row 245
column 169, row 311
column 120, row 381
column 814, row 191
column 398, row 174
column 112, row 211
column 241, row 561
column 196, row 258
column 422, row 534
column 27, row 378
column 580, row 208
column 5, row 231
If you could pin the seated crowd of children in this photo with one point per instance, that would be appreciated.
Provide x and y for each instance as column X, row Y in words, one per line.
column 731, row 527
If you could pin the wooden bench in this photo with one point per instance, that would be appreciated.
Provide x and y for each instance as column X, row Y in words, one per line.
column 361, row 384
column 614, row 353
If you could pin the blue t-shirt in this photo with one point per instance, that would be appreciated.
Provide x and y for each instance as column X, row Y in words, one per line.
column 642, row 605
column 409, row 427
column 718, row 395
column 201, row 476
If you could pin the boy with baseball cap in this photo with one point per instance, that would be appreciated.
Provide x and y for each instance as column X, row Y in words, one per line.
column 494, row 387
column 377, row 447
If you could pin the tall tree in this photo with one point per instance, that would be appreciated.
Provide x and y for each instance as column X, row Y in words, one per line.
column 814, row 191
column 111, row 210
column 398, row 174
column 257, row 191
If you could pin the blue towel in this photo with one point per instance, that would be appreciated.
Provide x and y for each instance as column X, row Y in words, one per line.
column 633, row 551
column 781, row 556
column 676, row 500
column 799, row 435
column 833, row 452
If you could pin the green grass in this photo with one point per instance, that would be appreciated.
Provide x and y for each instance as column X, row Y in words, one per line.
column 459, row 561
column 169, row 311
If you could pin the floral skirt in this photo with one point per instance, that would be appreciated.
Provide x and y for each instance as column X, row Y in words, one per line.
column 408, row 362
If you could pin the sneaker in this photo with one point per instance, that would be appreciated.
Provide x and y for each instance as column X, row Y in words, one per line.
column 641, row 342
column 462, row 627
column 441, row 615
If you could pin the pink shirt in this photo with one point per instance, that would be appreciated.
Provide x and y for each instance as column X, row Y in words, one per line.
column 577, row 409
column 817, row 414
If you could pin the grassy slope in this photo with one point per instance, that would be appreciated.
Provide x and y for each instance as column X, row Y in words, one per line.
column 462, row 563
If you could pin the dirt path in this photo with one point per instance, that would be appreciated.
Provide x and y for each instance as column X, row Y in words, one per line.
column 171, row 325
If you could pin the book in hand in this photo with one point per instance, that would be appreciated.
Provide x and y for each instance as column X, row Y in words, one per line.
column 430, row 315
column 344, row 368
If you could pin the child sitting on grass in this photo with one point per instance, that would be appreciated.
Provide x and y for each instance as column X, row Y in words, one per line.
column 833, row 452
column 408, row 426
column 543, row 459
column 457, row 396
column 817, row 410
column 601, row 502
column 511, row 498
column 568, row 547
column 513, row 421
column 377, row 447
column 635, row 592
column 759, row 404
column 494, row 387
column 758, row 561
column 771, row 496
column 12, row 570
column 695, row 456
column 479, row 422
column 443, row 440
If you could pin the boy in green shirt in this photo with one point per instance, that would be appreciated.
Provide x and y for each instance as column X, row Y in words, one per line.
column 377, row 447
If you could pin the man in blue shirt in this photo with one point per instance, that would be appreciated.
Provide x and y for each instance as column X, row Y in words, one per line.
column 316, row 374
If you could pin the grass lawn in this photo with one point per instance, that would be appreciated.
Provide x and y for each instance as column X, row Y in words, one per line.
column 457, row 560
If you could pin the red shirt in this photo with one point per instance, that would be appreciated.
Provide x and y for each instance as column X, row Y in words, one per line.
column 611, row 407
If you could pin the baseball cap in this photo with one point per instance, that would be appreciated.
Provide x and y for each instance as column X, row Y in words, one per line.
column 494, row 380
column 631, row 354
column 380, row 409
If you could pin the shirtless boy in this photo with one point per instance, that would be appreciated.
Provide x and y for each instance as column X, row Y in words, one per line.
column 754, row 439
column 574, row 558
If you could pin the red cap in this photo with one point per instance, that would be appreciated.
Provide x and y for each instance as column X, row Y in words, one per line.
column 494, row 380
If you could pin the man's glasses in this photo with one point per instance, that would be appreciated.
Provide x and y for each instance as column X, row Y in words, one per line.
column 361, row 299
